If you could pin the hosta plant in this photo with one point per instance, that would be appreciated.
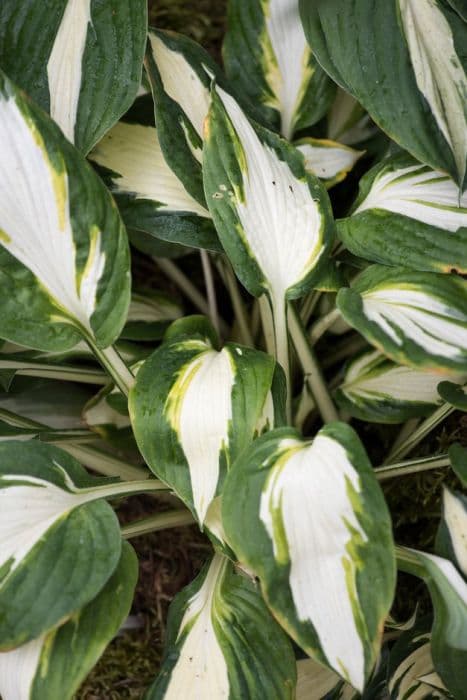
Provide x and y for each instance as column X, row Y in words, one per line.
column 296, row 225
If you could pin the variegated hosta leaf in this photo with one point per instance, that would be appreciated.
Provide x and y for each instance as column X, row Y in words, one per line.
column 64, row 261
column 59, row 541
column 416, row 318
column 55, row 664
column 378, row 390
column 328, row 160
column 149, row 314
column 54, row 403
column 223, row 643
column 448, row 592
column 408, row 214
column 273, row 218
column 421, row 100
column 180, row 73
column 81, row 62
column 150, row 196
column 454, row 528
column 312, row 524
column 193, row 409
column 316, row 682
column 411, row 670
column 454, row 394
column 104, row 414
column 267, row 57
column 348, row 122
column 458, row 459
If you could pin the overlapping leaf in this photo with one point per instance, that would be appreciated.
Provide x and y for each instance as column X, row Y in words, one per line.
column 267, row 57
column 151, row 198
column 180, row 73
column 81, row 62
column 454, row 394
column 405, row 62
column 193, row 409
column 312, row 524
column 64, row 262
column 316, row 682
column 378, row 390
column 449, row 596
column 411, row 671
column 273, row 218
column 59, row 541
column 407, row 214
column 223, row 643
column 416, row 318
column 328, row 160
column 55, row 664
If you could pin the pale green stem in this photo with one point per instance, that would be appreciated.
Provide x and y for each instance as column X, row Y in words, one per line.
column 405, row 432
column 311, row 368
column 281, row 348
column 76, row 437
column 21, row 421
column 92, row 457
column 414, row 466
column 188, row 288
column 185, row 285
column 408, row 561
column 309, row 305
column 237, row 303
column 63, row 372
column 125, row 488
column 103, row 463
column 353, row 346
column 114, row 365
column 255, row 319
column 161, row 521
column 267, row 322
column 322, row 325
column 210, row 289
column 422, row 431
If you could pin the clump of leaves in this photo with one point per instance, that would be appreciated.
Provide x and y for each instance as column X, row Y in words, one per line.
column 235, row 419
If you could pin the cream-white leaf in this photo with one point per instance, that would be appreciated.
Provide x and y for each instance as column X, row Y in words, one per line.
column 297, row 488
column 199, row 408
column 281, row 221
column 133, row 151
column 348, row 122
column 455, row 516
column 328, row 159
column 289, row 73
column 201, row 670
column 35, row 224
column 412, row 673
column 65, row 65
column 181, row 82
column 151, row 308
column 29, row 508
column 438, row 71
column 420, row 193
column 18, row 669
column 426, row 320
column 398, row 382
column 314, row 682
